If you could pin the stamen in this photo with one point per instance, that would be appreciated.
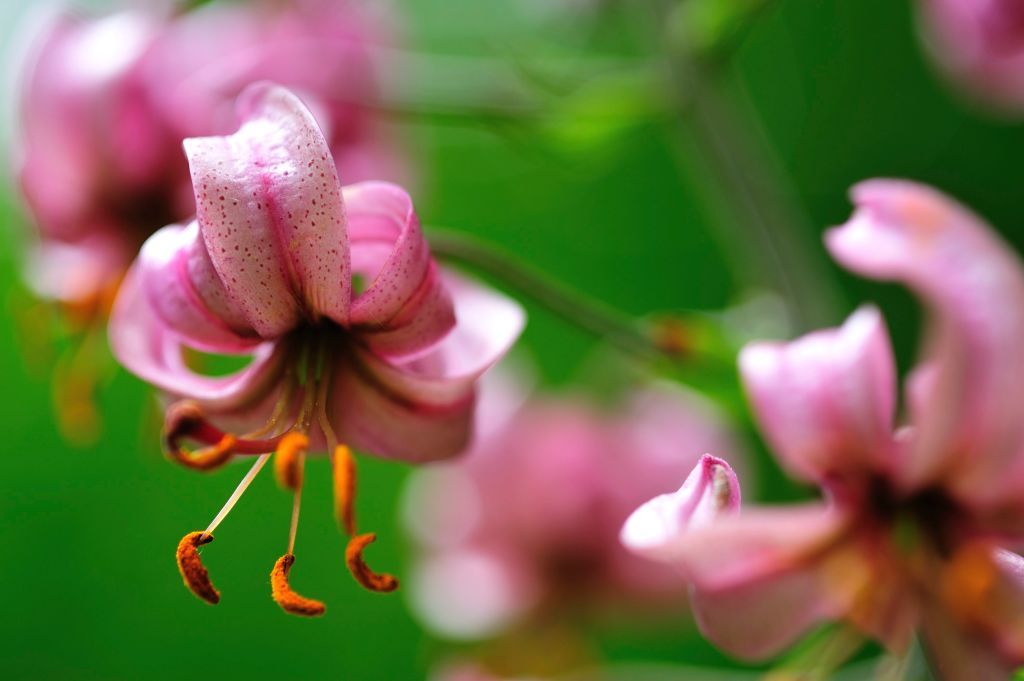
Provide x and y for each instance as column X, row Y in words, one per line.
column 284, row 596
column 186, row 420
column 207, row 458
column 196, row 578
column 288, row 460
column 237, row 494
column 344, row 488
column 380, row 582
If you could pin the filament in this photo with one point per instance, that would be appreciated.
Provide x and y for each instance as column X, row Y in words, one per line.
column 237, row 494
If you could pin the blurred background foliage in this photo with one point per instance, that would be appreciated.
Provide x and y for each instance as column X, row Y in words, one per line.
column 596, row 185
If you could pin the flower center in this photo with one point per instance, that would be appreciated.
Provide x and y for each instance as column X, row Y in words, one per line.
column 929, row 515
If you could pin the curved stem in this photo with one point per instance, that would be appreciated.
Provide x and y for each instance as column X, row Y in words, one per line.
column 572, row 306
column 759, row 217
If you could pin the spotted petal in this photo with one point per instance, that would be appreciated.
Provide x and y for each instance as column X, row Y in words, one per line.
column 154, row 353
column 405, row 307
column 270, row 212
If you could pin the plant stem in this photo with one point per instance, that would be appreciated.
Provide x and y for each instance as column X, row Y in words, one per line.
column 759, row 217
column 585, row 313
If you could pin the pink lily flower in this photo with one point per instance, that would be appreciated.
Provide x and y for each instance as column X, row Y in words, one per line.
column 523, row 527
column 387, row 364
column 917, row 519
column 105, row 105
column 980, row 44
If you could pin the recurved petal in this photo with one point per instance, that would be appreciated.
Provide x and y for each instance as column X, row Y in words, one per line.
column 270, row 212
column 420, row 408
column 179, row 283
column 144, row 345
column 758, row 620
column 747, row 568
column 405, row 306
column 708, row 492
column 825, row 401
column 974, row 286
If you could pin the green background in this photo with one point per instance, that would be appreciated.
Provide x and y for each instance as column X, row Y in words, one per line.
column 88, row 585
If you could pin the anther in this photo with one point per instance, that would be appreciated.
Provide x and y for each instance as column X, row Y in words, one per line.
column 381, row 582
column 284, row 596
column 345, row 488
column 185, row 420
column 196, row 578
column 288, row 460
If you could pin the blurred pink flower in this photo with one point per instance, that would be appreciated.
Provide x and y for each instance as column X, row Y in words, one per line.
column 911, row 534
column 106, row 103
column 980, row 44
column 526, row 523
column 98, row 169
column 325, row 51
column 266, row 271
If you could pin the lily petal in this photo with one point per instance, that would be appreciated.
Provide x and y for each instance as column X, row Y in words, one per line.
column 758, row 620
column 974, row 286
column 145, row 346
column 826, row 401
column 710, row 490
column 405, row 307
column 748, row 568
column 270, row 212
column 420, row 408
column 177, row 277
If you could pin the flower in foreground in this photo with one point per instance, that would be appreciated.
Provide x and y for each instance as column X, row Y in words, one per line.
column 104, row 105
column 521, row 531
column 913, row 532
column 355, row 337
column 980, row 44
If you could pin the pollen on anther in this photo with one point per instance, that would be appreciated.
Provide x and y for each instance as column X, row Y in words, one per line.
column 344, row 488
column 194, row 574
column 288, row 460
column 367, row 578
column 283, row 594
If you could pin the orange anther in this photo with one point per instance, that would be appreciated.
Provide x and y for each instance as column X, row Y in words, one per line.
column 288, row 460
column 284, row 596
column 381, row 582
column 345, row 488
column 197, row 579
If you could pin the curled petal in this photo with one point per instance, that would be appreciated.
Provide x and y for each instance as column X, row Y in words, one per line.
column 283, row 595
column 974, row 286
column 742, row 548
column 179, row 283
column 373, row 581
column 144, row 345
column 758, row 620
column 420, row 408
column 193, row 572
column 405, row 306
column 709, row 491
column 826, row 401
column 747, row 569
column 270, row 211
